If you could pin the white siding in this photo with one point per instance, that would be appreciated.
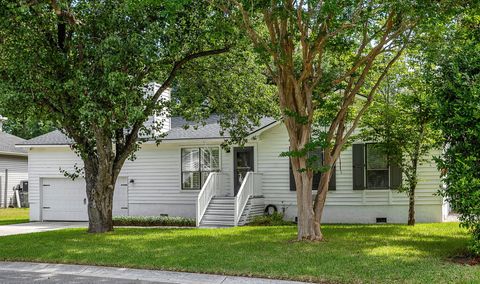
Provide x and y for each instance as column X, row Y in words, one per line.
column 157, row 183
column 156, row 187
column 17, row 171
column 345, row 204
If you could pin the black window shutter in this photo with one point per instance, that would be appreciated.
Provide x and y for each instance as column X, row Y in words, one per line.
column 318, row 152
column 358, row 166
column 395, row 176
column 333, row 179
column 292, row 178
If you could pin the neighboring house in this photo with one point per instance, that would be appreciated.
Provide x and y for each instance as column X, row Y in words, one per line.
column 13, row 165
column 190, row 175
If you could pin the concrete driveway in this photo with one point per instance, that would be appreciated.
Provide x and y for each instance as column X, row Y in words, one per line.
column 35, row 227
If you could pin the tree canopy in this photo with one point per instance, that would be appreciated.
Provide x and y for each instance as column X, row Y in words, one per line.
column 456, row 81
column 89, row 67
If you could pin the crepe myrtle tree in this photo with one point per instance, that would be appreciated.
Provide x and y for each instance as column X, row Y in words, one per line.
column 322, row 55
column 88, row 66
column 401, row 123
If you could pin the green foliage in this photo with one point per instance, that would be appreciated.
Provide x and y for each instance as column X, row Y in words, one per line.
column 401, row 120
column 88, row 68
column 148, row 221
column 26, row 127
column 323, row 55
column 276, row 219
column 233, row 85
column 457, row 89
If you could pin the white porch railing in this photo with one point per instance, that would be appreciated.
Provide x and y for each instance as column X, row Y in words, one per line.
column 251, row 186
column 213, row 183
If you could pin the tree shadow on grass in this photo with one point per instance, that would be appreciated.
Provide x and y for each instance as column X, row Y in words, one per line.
column 352, row 253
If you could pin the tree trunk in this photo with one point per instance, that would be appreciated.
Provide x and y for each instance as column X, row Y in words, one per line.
column 411, row 206
column 100, row 187
column 307, row 229
column 413, row 185
column 320, row 199
column 298, row 117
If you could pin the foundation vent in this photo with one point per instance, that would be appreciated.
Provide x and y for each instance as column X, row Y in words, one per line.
column 381, row 220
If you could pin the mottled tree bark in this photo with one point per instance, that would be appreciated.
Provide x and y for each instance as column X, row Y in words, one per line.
column 411, row 207
column 100, row 185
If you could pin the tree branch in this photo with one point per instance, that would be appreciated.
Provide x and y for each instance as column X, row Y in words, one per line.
column 64, row 14
column 131, row 139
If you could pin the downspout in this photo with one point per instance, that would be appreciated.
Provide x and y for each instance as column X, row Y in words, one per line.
column 2, row 120
column 5, row 189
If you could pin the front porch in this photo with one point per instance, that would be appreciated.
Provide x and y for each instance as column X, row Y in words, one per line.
column 219, row 206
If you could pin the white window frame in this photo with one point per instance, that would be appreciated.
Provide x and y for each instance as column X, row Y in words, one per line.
column 366, row 170
column 199, row 147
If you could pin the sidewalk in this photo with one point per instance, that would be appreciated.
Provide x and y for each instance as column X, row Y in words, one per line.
column 111, row 274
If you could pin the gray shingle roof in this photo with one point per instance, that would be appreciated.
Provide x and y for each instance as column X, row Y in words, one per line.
column 52, row 138
column 7, row 144
column 210, row 130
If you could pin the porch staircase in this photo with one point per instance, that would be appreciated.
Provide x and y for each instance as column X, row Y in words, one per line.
column 216, row 210
column 220, row 213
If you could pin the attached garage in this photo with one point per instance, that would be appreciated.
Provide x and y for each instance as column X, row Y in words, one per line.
column 66, row 200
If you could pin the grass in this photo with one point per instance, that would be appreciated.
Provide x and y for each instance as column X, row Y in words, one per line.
column 352, row 254
column 13, row 216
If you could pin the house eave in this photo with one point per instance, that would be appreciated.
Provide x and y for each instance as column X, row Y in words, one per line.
column 6, row 153
column 42, row 145
column 263, row 129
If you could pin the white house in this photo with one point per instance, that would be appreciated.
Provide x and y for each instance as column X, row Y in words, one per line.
column 13, row 165
column 190, row 175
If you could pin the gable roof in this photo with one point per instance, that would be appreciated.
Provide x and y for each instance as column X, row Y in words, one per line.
column 178, row 131
column 8, row 142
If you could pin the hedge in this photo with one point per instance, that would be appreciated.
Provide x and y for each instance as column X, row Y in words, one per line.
column 146, row 221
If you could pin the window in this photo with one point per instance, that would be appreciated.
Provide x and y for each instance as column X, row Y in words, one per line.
column 197, row 164
column 377, row 173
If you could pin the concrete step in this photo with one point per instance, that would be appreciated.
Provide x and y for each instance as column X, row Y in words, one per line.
column 218, row 218
column 216, row 223
column 226, row 207
column 225, row 197
column 228, row 202
column 221, row 211
column 211, row 211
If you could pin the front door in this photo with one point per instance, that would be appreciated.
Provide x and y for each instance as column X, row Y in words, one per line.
column 242, row 164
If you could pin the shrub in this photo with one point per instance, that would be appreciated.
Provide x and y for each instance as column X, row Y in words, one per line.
column 147, row 221
column 276, row 219
column 457, row 89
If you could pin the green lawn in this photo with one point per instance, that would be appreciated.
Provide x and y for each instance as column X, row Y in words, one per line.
column 13, row 216
column 353, row 253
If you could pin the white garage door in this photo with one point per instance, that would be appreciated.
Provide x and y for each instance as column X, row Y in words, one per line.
column 66, row 200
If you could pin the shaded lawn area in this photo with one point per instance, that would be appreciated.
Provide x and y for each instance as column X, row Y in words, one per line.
column 353, row 253
column 13, row 216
